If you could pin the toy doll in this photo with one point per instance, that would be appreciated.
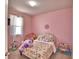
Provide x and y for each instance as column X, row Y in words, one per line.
column 27, row 43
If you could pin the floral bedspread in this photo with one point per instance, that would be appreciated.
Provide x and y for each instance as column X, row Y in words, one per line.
column 40, row 50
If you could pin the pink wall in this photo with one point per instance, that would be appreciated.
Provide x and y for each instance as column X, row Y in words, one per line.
column 60, row 23
column 26, row 26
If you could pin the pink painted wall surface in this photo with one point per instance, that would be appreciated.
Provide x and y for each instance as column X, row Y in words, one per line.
column 26, row 26
column 60, row 23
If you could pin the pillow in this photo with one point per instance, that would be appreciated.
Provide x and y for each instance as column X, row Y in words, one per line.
column 46, row 37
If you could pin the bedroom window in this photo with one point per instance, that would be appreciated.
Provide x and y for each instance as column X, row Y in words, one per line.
column 16, row 25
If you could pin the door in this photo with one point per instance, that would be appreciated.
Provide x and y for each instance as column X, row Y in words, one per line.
column 6, row 28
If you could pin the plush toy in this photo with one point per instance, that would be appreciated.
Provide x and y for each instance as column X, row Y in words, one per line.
column 62, row 47
column 30, row 35
column 27, row 43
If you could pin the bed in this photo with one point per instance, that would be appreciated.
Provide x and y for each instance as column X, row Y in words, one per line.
column 42, row 48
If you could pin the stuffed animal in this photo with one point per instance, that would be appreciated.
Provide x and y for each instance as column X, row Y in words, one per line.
column 30, row 35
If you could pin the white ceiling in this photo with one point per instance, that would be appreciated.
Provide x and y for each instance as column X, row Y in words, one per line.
column 44, row 6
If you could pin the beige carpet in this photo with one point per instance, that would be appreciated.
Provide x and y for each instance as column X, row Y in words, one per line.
column 15, row 55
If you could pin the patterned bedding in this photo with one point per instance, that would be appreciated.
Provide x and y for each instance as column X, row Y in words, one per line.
column 46, row 37
column 42, row 48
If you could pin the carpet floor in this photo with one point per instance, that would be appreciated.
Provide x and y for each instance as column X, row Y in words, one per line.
column 16, row 55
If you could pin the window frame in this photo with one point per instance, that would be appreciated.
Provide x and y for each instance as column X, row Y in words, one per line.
column 13, row 27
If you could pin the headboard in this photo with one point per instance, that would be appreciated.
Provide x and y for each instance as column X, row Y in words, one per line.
column 47, row 37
